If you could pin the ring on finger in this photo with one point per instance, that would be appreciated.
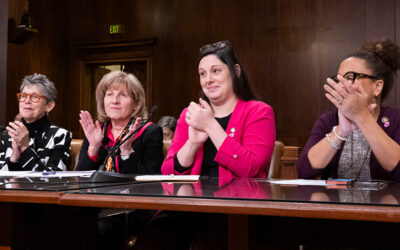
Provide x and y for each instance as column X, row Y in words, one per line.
column 340, row 101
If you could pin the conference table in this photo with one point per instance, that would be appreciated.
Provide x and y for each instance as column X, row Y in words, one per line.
column 70, row 206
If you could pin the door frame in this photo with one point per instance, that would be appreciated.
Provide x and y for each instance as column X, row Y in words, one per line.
column 112, row 52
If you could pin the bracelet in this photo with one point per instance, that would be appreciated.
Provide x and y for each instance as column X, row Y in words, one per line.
column 337, row 135
column 333, row 144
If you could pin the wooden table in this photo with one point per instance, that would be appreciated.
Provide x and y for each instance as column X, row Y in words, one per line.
column 237, row 208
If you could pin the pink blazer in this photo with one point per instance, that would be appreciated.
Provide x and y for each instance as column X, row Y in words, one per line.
column 247, row 150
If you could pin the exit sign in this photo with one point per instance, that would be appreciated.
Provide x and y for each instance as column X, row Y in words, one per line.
column 116, row 29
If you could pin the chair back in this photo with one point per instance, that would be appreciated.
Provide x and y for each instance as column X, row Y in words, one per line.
column 274, row 166
column 283, row 162
column 167, row 144
column 76, row 145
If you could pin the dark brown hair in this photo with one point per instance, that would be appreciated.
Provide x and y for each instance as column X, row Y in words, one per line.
column 225, row 53
column 383, row 58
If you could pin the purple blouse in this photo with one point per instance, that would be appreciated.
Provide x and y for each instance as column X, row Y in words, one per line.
column 324, row 125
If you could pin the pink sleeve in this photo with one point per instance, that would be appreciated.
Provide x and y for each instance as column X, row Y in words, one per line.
column 180, row 138
column 249, row 158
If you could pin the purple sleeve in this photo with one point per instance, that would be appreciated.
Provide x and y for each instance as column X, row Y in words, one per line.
column 321, row 127
column 393, row 131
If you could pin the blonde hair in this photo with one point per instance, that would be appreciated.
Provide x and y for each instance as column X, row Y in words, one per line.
column 133, row 87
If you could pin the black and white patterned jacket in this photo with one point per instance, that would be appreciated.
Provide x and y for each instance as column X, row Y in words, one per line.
column 49, row 148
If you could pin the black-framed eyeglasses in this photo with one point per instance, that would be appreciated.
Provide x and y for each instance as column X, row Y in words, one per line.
column 215, row 46
column 33, row 97
column 352, row 76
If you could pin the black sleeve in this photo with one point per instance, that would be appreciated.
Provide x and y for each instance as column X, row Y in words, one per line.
column 58, row 155
column 148, row 153
column 177, row 165
column 3, row 149
column 85, row 163
column 5, row 162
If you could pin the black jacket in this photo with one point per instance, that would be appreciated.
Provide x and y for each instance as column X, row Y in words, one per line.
column 49, row 148
column 146, row 158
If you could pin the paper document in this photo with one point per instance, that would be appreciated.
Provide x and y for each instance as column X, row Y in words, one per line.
column 167, row 177
column 13, row 173
column 46, row 174
column 301, row 182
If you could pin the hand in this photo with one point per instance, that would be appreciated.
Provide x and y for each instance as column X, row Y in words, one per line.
column 199, row 116
column 20, row 134
column 16, row 154
column 92, row 132
column 126, row 148
column 345, row 126
column 349, row 98
column 197, row 136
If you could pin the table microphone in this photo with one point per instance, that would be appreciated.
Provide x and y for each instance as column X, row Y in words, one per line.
column 103, row 176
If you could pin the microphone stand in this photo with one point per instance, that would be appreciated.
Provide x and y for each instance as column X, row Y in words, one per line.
column 103, row 176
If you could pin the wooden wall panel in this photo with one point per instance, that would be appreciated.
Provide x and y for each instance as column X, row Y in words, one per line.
column 3, row 58
column 287, row 47
column 45, row 53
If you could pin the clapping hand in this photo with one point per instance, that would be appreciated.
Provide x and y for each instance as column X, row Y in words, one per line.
column 93, row 132
column 198, row 117
column 351, row 101
column 126, row 147
column 20, row 135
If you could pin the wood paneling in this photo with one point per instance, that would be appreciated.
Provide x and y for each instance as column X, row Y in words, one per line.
column 3, row 58
column 45, row 53
column 287, row 47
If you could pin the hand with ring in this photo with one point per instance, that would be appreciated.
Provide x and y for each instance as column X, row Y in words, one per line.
column 348, row 97
column 19, row 133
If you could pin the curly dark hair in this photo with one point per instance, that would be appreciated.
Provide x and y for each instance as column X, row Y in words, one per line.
column 383, row 58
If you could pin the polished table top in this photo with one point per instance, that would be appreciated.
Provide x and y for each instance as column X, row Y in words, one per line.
column 238, row 198
column 361, row 193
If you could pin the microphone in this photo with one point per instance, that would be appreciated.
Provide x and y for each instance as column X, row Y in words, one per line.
column 103, row 176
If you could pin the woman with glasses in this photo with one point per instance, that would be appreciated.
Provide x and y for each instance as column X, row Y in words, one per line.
column 360, row 140
column 227, row 133
column 33, row 143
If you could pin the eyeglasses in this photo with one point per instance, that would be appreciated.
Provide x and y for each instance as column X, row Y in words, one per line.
column 215, row 46
column 352, row 76
column 33, row 97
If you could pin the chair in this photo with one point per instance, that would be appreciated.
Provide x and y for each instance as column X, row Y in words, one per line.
column 167, row 144
column 274, row 166
column 283, row 162
column 76, row 145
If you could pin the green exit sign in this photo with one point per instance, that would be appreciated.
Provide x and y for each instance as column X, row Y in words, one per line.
column 115, row 29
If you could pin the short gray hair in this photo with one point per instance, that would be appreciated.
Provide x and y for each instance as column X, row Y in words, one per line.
column 168, row 122
column 43, row 83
